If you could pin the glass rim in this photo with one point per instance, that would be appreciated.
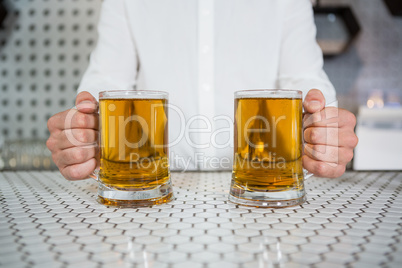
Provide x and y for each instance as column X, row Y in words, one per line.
column 268, row 93
column 133, row 94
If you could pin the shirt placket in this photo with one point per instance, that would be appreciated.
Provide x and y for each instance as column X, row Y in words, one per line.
column 206, row 99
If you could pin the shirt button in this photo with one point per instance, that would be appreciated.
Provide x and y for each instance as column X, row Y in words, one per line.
column 206, row 87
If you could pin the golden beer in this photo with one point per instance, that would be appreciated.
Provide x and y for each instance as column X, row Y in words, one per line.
column 133, row 150
column 268, row 149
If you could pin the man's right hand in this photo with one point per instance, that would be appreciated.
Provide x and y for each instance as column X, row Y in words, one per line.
column 73, row 138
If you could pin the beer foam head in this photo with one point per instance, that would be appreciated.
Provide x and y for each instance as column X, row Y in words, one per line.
column 133, row 94
column 269, row 93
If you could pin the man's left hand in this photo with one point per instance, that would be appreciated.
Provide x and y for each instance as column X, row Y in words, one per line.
column 329, row 137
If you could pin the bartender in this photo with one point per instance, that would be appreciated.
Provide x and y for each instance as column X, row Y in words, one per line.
column 201, row 51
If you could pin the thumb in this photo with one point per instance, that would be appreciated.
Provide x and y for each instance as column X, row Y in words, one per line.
column 314, row 101
column 86, row 103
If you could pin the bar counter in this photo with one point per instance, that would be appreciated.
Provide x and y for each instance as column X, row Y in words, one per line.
column 352, row 221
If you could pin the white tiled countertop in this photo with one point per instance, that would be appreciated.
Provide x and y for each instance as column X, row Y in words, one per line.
column 352, row 221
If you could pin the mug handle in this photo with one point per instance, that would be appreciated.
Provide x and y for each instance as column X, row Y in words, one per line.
column 95, row 174
column 306, row 173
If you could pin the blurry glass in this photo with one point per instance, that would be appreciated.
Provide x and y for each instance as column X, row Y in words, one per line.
column 376, row 99
column 384, row 99
column 25, row 155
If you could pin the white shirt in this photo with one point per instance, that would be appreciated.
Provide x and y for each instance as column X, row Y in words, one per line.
column 201, row 52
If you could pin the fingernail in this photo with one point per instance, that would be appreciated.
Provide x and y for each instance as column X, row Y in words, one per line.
column 314, row 104
column 86, row 104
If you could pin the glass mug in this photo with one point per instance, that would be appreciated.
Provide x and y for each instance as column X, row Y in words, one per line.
column 133, row 139
column 268, row 144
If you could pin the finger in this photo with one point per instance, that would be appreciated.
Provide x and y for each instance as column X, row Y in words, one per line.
column 74, row 155
column 79, row 171
column 330, row 117
column 52, row 142
column 86, row 103
column 330, row 136
column 314, row 101
column 322, row 169
column 73, row 119
column 329, row 154
column 322, row 135
column 79, row 137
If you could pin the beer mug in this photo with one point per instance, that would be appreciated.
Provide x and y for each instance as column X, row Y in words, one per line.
column 267, row 168
column 133, row 140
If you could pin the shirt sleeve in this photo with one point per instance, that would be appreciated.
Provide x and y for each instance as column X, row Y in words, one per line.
column 301, row 59
column 113, row 63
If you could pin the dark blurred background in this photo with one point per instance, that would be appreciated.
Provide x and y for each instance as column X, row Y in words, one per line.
column 45, row 44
